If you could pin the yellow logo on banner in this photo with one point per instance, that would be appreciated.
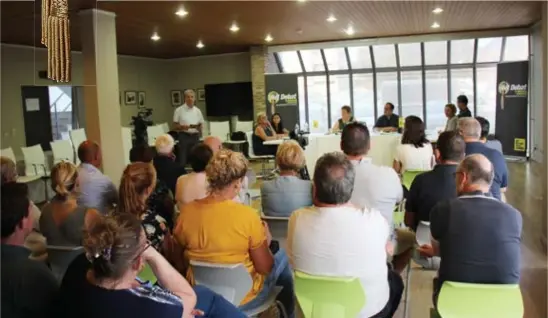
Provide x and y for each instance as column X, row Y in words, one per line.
column 315, row 124
column 401, row 122
column 519, row 144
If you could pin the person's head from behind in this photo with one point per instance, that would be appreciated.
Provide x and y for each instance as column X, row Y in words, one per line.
column 485, row 126
column 261, row 119
column 15, row 213
column 164, row 145
column 290, row 156
column 333, row 180
column 214, row 143
column 346, row 113
column 474, row 173
column 462, row 102
column 450, row 110
column 225, row 173
column 64, row 180
column 141, row 153
column 388, row 109
column 114, row 246
column 89, row 152
column 137, row 184
column 355, row 140
column 199, row 157
column 189, row 97
column 413, row 132
column 8, row 170
column 470, row 129
column 277, row 120
column 450, row 147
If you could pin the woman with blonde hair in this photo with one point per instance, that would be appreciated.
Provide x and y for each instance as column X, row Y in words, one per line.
column 216, row 229
column 62, row 219
column 263, row 132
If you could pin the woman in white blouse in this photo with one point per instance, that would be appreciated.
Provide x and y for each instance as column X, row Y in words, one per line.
column 415, row 151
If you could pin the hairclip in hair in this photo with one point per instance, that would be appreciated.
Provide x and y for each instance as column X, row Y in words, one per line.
column 106, row 253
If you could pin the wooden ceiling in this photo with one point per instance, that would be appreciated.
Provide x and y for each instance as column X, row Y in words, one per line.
column 288, row 22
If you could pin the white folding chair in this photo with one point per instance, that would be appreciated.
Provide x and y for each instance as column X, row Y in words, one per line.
column 220, row 129
column 154, row 132
column 165, row 127
column 60, row 257
column 62, row 151
column 277, row 225
column 35, row 161
column 127, row 143
column 8, row 153
column 262, row 159
column 77, row 136
column 244, row 126
column 232, row 281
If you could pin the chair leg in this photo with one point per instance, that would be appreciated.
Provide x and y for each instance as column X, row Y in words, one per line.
column 407, row 282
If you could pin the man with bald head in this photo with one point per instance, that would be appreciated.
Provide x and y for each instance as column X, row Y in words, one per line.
column 477, row 237
column 96, row 190
column 214, row 143
column 470, row 129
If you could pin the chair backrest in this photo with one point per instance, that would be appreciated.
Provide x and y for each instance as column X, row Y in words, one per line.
column 205, row 128
column 326, row 297
column 77, row 136
column 165, row 127
column 60, row 257
column 251, row 151
column 62, row 151
column 232, row 281
column 8, row 152
column 154, row 132
column 220, row 129
column 35, row 161
column 410, row 175
column 127, row 143
column 244, row 126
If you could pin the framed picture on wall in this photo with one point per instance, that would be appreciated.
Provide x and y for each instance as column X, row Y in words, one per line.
column 176, row 98
column 142, row 99
column 130, row 97
column 201, row 94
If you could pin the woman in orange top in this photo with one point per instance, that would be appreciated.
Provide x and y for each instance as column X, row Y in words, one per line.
column 218, row 230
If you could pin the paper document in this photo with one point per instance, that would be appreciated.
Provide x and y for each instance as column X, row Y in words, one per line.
column 32, row 104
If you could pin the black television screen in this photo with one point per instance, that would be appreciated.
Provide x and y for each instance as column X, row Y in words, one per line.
column 232, row 99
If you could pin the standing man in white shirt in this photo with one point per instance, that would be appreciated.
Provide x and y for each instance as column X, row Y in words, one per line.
column 187, row 121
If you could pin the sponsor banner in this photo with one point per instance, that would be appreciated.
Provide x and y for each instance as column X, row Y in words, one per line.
column 281, row 92
column 512, row 102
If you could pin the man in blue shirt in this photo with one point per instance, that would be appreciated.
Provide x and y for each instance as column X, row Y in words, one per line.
column 470, row 129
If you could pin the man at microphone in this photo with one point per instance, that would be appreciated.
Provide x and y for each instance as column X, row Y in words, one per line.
column 187, row 121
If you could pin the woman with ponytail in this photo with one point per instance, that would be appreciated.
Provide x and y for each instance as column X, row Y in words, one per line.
column 62, row 219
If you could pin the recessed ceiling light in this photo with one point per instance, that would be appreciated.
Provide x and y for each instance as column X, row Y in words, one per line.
column 268, row 38
column 437, row 11
column 155, row 36
column 435, row 25
column 234, row 27
column 349, row 30
column 301, row 0
column 200, row 44
column 181, row 12
column 331, row 18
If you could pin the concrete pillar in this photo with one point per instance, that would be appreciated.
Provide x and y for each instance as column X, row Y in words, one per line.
column 258, row 69
column 544, row 31
column 102, row 109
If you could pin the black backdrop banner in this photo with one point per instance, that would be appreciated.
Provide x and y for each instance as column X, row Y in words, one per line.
column 511, row 116
column 281, row 96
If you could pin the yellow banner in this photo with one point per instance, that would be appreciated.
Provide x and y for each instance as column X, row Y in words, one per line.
column 519, row 144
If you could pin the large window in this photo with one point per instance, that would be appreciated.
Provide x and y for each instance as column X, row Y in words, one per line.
column 336, row 59
column 339, row 86
column 486, row 83
column 317, row 103
column 302, row 102
column 387, row 90
column 462, row 83
column 489, row 50
column 436, row 98
column 517, row 48
column 410, row 54
column 462, row 51
column 312, row 60
column 360, row 57
column 290, row 62
column 364, row 107
column 385, row 55
column 60, row 99
column 435, row 53
column 411, row 93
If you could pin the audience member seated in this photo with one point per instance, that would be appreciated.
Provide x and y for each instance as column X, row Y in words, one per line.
column 486, row 138
column 336, row 239
column 167, row 168
column 388, row 122
column 452, row 123
column 477, row 236
column 287, row 193
column 346, row 118
column 103, row 282
column 218, row 230
column 278, row 125
column 96, row 190
column 137, row 186
column 435, row 186
column 415, row 151
column 263, row 132
column 28, row 286
column 193, row 186
column 62, row 219
column 35, row 242
column 470, row 129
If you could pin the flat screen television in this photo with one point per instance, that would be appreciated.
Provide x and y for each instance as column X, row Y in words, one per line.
column 230, row 99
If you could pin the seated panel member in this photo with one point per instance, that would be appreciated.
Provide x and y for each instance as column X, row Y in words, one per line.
column 389, row 122
column 346, row 118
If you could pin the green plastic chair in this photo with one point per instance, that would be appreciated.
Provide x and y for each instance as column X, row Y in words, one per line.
column 462, row 300
column 146, row 274
column 408, row 177
column 328, row 297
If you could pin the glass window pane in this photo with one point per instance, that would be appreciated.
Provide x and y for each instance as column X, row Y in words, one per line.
column 339, row 88
column 317, row 103
column 462, row 83
column 462, row 51
column 60, row 98
column 410, row 54
column 411, row 94
column 312, row 60
column 360, row 57
column 516, row 48
column 489, row 50
column 271, row 66
column 436, row 98
column 387, row 91
column 302, row 102
column 335, row 59
column 385, row 55
column 290, row 62
column 486, row 84
column 363, row 107
column 435, row 53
